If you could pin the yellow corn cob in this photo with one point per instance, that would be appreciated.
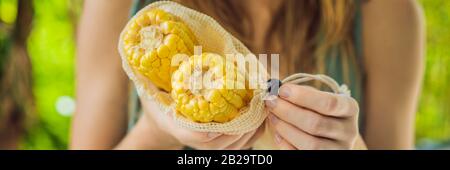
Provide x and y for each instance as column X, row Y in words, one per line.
column 150, row 42
column 207, row 105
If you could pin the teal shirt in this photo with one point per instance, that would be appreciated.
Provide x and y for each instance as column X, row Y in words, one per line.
column 355, row 68
column 334, row 67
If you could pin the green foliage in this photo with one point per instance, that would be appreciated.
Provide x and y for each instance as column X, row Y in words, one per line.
column 8, row 11
column 8, row 15
column 52, row 49
column 433, row 117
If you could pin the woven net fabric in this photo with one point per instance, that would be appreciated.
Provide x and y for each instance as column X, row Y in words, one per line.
column 215, row 39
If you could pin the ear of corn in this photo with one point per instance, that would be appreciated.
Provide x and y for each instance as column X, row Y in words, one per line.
column 218, row 104
column 152, row 39
column 150, row 42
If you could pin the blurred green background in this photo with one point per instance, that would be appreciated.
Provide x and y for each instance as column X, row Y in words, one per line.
column 51, row 48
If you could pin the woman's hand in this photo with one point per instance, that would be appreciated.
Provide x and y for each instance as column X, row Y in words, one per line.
column 308, row 119
column 175, row 135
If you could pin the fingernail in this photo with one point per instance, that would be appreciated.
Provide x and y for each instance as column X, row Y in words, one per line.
column 277, row 138
column 271, row 103
column 273, row 119
column 284, row 92
column 213, row 134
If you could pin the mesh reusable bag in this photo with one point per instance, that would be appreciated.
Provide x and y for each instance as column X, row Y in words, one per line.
column 213, row 38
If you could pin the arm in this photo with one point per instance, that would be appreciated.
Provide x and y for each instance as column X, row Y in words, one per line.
column 100, row 119
column 393, row 49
